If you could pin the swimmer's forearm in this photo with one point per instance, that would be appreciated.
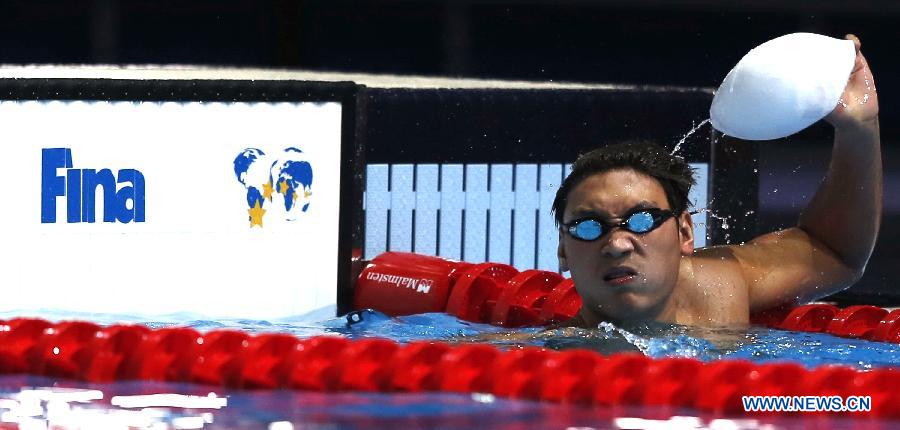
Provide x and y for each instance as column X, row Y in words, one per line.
column 845, row 213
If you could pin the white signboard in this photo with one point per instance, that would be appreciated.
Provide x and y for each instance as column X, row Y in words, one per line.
column 220, row 209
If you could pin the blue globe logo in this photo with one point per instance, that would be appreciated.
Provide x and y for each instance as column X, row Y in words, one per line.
column 289, row 175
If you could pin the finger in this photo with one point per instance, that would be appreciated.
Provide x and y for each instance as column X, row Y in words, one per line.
column 856, row 43
column 862, row 59
column 859, row 62
column 868, row 77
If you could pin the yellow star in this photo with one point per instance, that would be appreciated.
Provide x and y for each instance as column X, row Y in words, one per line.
column 295, row 196
column 283, row 187
column 256, row 215
column 268, row 190
column 307, row 193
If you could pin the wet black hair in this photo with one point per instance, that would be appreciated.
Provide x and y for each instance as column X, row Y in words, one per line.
column 673, row 173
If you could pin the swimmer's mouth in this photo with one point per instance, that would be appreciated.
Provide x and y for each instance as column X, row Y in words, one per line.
column 620, row 275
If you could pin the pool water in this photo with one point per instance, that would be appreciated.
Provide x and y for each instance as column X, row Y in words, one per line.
column 758, row 344
column 36, row 402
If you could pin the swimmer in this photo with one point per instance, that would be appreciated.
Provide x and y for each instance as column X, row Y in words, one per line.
column 626, row 236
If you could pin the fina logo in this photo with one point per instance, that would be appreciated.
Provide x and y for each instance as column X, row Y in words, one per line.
column 289, row 175
column 79, row 187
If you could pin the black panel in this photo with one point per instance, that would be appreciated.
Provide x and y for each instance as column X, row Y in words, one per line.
column 734, row 185
column 526, row 126
column 176, row 90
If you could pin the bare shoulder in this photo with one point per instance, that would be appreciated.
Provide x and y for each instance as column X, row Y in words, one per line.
column 717, row 287
column 716, row 263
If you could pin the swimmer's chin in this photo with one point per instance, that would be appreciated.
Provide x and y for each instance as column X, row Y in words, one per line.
column 628, row 305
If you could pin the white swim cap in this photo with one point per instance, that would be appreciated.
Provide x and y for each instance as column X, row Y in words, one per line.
column 783, row 86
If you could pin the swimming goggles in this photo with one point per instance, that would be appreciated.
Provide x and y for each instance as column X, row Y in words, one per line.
column 639, row 221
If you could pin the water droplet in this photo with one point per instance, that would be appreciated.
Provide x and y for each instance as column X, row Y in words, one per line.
column 688, row 134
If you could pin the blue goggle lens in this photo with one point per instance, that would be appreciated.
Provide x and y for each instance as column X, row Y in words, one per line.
column 640, row 222
column 588, row 230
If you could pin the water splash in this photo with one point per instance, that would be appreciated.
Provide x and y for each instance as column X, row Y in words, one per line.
column 722, row 219
column 688, row 134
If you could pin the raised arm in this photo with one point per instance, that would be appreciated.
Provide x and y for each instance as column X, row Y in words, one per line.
column 845, row 213
column 829, row 248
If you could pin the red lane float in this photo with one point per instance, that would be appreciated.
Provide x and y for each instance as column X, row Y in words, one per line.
column 519, row 380
column 216, row 360
column 888, row 329
column 313, row 366
column 856, row 321
column 672, row 382
column 399, row 283
column 362, row 365
column 622, row 375
column 562, row 304
column 18, row 340
column 61, row 351
column 166, row 354
column 234, row 359
column 722, row 385
column 563, row 376
column 861, row 321
column 474, row 296
column 413, row 367
column 263, row 363
column 466, row 369
column 520, row 302
column 111, row 348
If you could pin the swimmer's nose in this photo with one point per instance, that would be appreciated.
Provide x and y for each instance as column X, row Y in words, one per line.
column 618, row 245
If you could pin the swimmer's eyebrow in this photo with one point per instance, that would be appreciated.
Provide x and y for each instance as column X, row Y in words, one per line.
column 590, row 213
column 644, row 204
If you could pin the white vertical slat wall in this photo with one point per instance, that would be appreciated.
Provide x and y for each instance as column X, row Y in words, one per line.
column 428, row 202
column 474, row 225
column 477, row 212
column 453, row 204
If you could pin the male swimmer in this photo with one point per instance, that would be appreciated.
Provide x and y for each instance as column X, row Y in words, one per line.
column 626, row 236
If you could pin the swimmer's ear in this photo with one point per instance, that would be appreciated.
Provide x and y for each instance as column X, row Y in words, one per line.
column 686, row 233
column 561, row 253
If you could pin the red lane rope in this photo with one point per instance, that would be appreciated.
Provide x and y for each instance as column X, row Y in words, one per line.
column 398, row 283
column 86, row 351
column 860, row 321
